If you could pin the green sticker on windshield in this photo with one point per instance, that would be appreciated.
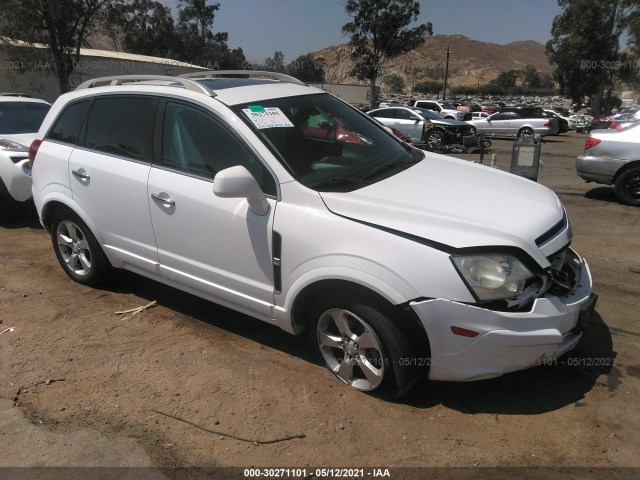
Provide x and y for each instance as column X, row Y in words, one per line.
column 256, row 108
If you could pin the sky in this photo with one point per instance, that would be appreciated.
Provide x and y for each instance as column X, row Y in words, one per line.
column 296, row 27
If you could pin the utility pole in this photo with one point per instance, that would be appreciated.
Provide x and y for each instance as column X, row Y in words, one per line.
column 446, row 74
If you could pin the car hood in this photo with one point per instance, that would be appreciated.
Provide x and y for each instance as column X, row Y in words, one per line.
column 22, row 138
column 450, row 123
column 455, row 203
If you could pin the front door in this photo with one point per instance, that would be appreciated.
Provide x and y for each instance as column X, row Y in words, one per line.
column 217, row 246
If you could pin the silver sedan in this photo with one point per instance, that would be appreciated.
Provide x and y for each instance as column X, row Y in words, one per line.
column 612, row 157
column 511, row 124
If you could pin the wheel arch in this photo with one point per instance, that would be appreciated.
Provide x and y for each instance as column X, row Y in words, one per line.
column 400, row 313
column 627, row 166
column 55, row 204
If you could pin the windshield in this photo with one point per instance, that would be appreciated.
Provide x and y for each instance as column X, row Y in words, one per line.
column 430, row 114
column 326, row 144
column 447, row 106
column 21, row 117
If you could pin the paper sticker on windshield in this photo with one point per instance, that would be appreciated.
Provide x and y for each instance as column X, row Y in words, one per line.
column 270, row 117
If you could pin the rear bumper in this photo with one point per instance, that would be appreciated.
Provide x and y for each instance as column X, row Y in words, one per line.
column 506, row 341
column 598, row 169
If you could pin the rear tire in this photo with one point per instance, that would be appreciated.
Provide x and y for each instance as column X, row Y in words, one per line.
column 361, row 346
column 77, row 250
column 627, row 187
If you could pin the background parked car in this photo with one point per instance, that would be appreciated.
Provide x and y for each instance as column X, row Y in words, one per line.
column 443, row 109
column 583, row 122
column 476, row 115
column 512, row 124
column 564, row 124
column 20, row 119
column 424, row 126
column 612, row 157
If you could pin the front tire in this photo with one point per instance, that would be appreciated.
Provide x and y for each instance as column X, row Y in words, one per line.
column 77, row 250
column 627, row 187
column 434, row 140
column 362, row 346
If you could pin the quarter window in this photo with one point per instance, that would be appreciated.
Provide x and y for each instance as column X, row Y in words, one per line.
column 67, row 127
column 122, row 126
column 195, row 142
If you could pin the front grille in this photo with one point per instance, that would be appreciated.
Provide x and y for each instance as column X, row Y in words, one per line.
column 552, row 232
column 562, row 272
column 18, row 158
column 467, row 116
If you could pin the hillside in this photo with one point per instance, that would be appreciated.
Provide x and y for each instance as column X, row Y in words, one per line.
column 471, row 62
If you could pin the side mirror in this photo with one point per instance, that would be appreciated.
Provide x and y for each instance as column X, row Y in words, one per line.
column 237, row 182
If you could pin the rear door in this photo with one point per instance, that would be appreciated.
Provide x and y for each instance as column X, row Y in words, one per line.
column 108, row 173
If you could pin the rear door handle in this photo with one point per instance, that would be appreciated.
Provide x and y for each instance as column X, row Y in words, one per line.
column 167, row 200
column 81, row 173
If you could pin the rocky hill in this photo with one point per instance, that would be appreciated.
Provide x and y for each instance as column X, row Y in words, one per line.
column 471, row 62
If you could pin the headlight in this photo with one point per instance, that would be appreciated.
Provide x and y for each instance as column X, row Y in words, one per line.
column 493, row 277
column 9, row 146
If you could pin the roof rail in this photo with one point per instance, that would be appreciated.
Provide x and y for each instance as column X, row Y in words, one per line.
column 243, row 74
column 122, row 79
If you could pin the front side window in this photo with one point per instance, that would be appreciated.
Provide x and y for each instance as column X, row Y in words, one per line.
column 325, row 143
column 194, row 142
column 406, row 115
column 21, row 117
column 122, row 126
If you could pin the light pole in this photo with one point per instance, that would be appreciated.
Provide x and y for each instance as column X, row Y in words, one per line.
column 446, row 74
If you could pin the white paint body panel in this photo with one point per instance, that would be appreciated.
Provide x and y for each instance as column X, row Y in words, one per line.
column 220, row 250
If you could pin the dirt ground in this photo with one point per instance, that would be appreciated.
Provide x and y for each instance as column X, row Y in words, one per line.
column 81, row 386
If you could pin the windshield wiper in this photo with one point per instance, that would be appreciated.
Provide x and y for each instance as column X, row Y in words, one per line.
column 335, row 181
column 385, row 167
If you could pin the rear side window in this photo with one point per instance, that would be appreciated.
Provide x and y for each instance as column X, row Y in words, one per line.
column 67, row 127
column 122, row 126
column 389, row 113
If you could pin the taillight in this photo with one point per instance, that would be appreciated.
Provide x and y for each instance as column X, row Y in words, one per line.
column 591, row 142
column 615, row 126
column 548, row 124
column 33, row 149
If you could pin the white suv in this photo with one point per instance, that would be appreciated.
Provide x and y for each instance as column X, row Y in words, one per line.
column 279, row 200
column 20, row 119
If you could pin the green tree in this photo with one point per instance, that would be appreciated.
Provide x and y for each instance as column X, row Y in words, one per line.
column 531, row 77
column 395, row 82
column 147, row 28
column 379, row 31
column 584, row 47
column 200, row 45
column 429, row 87
column 275, row 63
column 505, row 81
column 61, row 25
column 307, row 68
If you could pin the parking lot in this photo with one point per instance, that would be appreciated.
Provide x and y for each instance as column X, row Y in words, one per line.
column 81, row 385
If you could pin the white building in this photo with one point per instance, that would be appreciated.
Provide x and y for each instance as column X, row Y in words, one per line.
column 24, row 68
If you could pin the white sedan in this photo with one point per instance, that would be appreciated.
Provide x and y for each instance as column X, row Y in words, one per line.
column 20, row 119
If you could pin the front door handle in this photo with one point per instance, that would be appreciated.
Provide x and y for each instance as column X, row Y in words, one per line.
column 80, row 173
column 167, row 200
